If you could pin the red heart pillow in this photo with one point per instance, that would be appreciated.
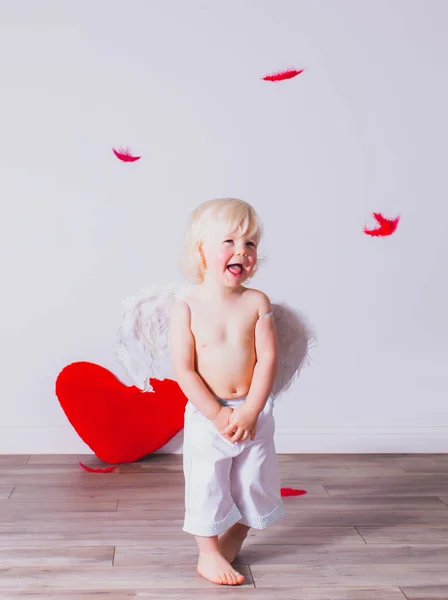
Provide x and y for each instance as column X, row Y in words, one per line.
column 120, row 424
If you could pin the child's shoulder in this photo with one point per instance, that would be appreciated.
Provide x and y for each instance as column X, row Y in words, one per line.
column 259, row 299
column 180, row 308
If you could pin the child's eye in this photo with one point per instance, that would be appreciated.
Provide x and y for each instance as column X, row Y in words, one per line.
column 231, row 241
column 251, row 244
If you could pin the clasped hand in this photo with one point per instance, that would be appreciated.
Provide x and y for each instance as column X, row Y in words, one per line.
column 242, row 424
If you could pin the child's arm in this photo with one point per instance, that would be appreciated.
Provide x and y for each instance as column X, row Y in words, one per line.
column 182, row 360
column 267, row 358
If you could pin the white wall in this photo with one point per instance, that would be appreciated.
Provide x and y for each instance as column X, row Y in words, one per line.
column 363, row 129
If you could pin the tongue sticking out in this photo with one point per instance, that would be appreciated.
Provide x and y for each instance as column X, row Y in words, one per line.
column 235, row 269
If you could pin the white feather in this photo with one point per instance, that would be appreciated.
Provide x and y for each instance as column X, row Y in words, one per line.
column 143, row 346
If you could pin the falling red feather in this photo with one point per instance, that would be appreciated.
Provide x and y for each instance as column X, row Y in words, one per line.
column 289, row 74
column 125, row 155
column 98, row 470
column 386, row 226
column 291, row 492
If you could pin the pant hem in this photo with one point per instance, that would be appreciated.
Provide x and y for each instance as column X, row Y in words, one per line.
column 195, row 527
column 263, row 522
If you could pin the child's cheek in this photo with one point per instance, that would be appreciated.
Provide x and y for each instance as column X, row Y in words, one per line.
column 222, row 259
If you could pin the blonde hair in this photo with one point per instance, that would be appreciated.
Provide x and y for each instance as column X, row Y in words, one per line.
column 219, row 216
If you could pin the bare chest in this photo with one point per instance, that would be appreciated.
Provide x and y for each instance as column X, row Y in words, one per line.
column 212, row 328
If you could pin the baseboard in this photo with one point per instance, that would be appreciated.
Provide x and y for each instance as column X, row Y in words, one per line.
column 362, row 440
column 288, row 440
column 41, row 440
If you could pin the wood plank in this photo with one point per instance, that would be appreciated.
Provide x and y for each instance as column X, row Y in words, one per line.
column 149, row 492
column 108, row 578
column 337, row 553
column 289, row 535
column 310, row 516
column 13, row 459
column 101, row 485
column 78, row 518
column 245, row 592
column 305, row 503
column 426, row 593
column 66, row 533
column 70, row 595
column 6, row 491
column 303, row 466
column 156, row 463
column 56, row 556
column 258, row 553
column 323, row 459
column 72, row 475
column 388, row 575
column 362, row 503
column 151, row 553
column 153, row 463
column 132, row 533
column 416, row 484
column 165, row 518
column 48, row 507
column 408, row 484
column 55, row 490
column 67, row 472
column 90, row 522
column 375, row 518
column 318, row 472
column 405, row 534
column 424, row 464
column 342, row 458
column 307, row 516
column 66, row 459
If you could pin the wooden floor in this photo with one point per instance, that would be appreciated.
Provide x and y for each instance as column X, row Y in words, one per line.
column 370, row 527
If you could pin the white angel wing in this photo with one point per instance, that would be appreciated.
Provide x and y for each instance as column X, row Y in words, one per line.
column 143, row 337
column 294, row 342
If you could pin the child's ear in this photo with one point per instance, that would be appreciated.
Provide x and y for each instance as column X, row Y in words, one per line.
column 202, row 255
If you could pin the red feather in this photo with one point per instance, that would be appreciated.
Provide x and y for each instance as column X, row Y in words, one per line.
column 125, row 155
column 97, row 470
column 386, row 226
column 291, row 492
column 289, row 74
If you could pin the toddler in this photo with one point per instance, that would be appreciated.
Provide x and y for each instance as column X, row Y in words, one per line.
column 224, row 358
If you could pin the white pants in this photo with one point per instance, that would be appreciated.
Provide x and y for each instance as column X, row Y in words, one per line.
column 228, row 483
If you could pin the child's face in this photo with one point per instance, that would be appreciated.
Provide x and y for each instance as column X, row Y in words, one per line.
column 230, row 258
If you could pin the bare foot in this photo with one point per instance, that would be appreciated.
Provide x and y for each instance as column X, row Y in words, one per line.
column 231, row 541
column 214, row 567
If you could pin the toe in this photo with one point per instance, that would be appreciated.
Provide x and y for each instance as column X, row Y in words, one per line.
column 239, row 577
column 231, row 577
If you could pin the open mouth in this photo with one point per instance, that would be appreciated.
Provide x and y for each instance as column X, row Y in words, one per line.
column 235, row 268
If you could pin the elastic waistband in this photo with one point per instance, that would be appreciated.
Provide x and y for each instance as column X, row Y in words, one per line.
column 232, row 402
